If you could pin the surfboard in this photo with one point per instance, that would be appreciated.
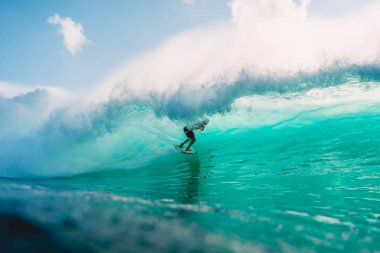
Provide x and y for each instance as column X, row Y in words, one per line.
column 183, row 150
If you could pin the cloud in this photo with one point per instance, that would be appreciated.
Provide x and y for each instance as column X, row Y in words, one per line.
column 247, row 12
column 9, row 90
column 188, row 2
column 192, row 2
column 20, row 104
column 73, row 33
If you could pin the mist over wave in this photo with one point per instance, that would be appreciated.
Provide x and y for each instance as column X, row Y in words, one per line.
column 263, row 40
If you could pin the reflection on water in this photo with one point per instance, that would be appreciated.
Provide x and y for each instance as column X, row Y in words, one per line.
column 192, row 186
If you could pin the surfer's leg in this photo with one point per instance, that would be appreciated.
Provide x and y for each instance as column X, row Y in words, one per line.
column 190, row 137
column 183, row 143
column 190, row 144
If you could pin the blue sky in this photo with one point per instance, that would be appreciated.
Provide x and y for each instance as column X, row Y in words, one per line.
column 32, row 51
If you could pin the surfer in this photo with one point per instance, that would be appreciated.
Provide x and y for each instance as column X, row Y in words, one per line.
column 189, row 131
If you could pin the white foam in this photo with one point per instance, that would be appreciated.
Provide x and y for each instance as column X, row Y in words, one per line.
column 297, row 213
column 326, row 219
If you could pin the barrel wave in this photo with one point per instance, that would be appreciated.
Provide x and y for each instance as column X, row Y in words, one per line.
column 128, row 133
column 289, row 161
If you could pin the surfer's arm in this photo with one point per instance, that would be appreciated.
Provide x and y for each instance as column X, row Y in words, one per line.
column 198, row 126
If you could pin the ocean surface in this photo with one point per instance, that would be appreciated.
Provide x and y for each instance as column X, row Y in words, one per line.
column 287, row 164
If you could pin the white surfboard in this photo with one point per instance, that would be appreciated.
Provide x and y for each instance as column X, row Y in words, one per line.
column 183, row 150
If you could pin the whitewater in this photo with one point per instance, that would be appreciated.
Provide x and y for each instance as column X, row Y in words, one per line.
column 288, row 163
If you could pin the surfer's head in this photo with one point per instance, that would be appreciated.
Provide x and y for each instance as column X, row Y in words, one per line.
column 205, row 121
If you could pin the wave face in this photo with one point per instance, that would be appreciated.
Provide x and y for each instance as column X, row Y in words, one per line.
column 41, row 139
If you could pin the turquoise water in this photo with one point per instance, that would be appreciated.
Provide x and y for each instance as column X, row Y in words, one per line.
column 275, row 171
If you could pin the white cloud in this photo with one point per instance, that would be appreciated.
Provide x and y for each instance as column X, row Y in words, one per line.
column 247, row 12
column 188, row 2
column 27, row 103
column 73, row 33
column 9, row 90
column 192, row 2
